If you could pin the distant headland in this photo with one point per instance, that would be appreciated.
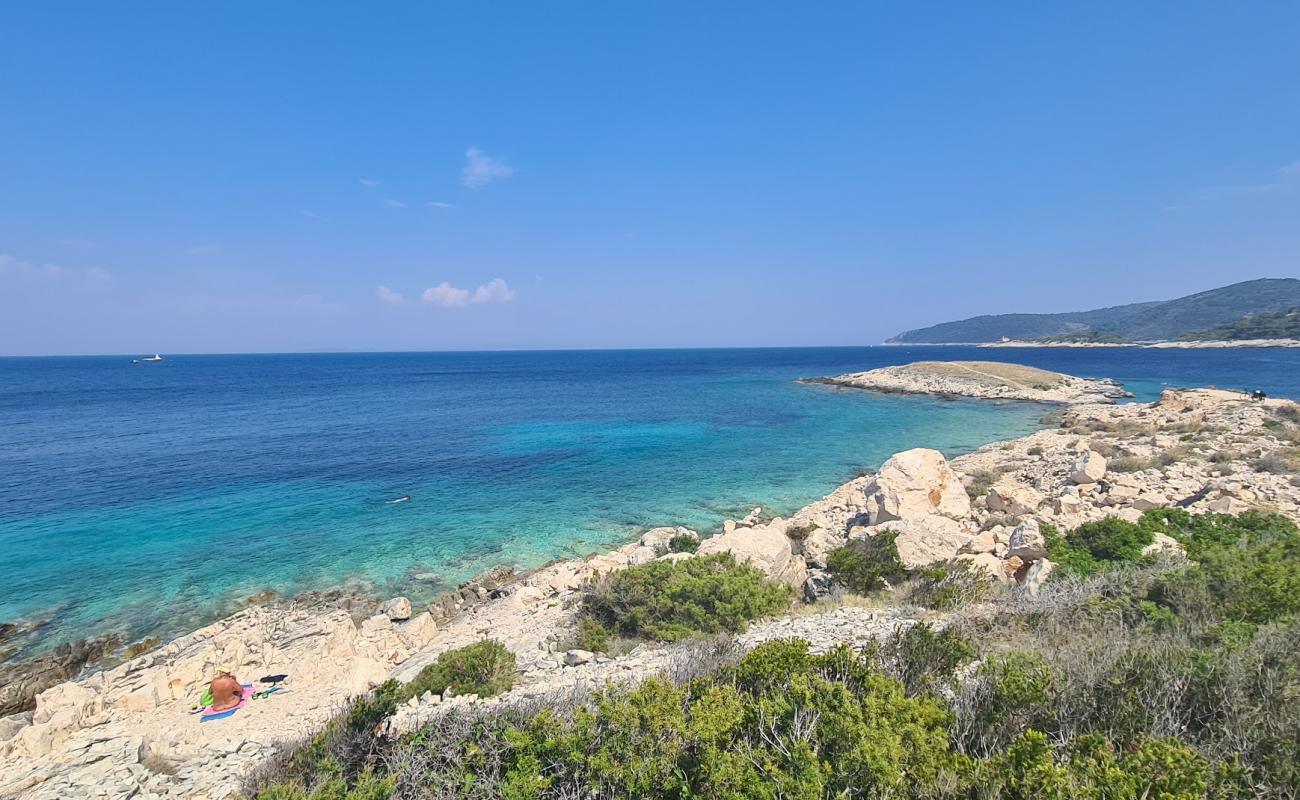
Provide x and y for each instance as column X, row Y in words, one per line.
column 1257, row 313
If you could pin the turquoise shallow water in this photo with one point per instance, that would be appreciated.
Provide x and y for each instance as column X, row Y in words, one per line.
column 149, row 499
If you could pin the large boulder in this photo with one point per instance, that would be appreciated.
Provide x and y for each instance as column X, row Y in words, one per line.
column 397, row 609
column 985, row 564
column 766, row 547
column 1089, row 467
column 1027, row 541
column 816, row 547
column 926, row 540
column 915, row 483
column 1013, row 499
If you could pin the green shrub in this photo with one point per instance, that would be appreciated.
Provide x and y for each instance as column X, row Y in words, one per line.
column 922, row 657
column 1095, row 545
column 667, row 600
column 485, row 668
column 592, row 635
column 1243, row 569
column 952, row 585
column 1090, row 768
column 681, row 543
column 868, row 564
column 1070, row 560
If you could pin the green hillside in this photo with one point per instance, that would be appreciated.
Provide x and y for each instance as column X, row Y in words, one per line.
column 1154, row 321
column 1280, row 325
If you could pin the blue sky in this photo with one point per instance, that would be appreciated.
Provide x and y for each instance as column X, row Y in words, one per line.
column 231, row 177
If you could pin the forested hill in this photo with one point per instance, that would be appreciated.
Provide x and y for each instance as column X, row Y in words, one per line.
column 1281, row 325
column 1154, row 321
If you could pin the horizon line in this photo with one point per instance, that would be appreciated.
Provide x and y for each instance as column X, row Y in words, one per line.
column 477, row 350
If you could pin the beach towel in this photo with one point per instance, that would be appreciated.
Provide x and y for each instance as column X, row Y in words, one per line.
column 208, row 716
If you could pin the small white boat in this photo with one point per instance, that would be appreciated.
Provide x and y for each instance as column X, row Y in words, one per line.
column 152, row 359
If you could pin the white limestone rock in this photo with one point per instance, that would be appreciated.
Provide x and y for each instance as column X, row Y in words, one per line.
column 1013, row 499
column 573, row 658
column 398, row 609
column 926, row 540
column 641, row 555
column 1089, row 467
column 915, row 483
column 766, row 547
column 1027, row 541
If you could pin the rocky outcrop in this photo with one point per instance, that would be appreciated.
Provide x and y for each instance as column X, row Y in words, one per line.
column 766, row 547
column 925, row 540
column 915, row 483
column 989, row 380
column 22, row 681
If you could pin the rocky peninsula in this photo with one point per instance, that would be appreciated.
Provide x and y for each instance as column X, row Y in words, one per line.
column 128, row 732
column 986, row 380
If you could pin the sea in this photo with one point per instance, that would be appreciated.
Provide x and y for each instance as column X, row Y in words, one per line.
column 149, row 499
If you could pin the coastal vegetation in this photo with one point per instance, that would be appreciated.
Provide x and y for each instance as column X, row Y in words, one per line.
column 485, row 668
column 1125, row 677
column 1276, row 325
column 670, row 600
column 1087, row 337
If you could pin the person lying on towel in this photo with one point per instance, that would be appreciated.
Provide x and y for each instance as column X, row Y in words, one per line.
column 225, row 696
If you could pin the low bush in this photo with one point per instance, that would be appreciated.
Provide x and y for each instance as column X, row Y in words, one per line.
column 922, row 657
column 979, row 481
column 1278, row 462
column 1288, row 412
column 868, row 564
column 951, row 585
column 669, row 600
column 485, row 668
column 1112, row 539
column 682, row 543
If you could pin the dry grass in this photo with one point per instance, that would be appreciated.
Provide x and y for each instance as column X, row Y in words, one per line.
column 992, row 373
column 1279, row 462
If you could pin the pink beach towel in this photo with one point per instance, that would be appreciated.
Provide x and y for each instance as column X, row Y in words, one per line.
column 208, row 716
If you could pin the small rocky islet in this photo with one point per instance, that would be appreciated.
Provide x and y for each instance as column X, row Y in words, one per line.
column 128, row 731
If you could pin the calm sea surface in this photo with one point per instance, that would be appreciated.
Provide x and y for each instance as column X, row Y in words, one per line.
column 148, row 499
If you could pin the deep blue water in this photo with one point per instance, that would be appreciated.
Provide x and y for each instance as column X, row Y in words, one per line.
column 148, row 499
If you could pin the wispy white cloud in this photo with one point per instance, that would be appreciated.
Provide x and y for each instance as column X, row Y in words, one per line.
column 311, row 214
column 481, row 169
column 494, row 291
column 448, row 296
column 391, row 203
column 388, row 296
column 436, row 204
column 1286, row 178
column 369, row 183
column 16, row 267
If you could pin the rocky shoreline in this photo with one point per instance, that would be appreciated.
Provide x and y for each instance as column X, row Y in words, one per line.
column 128, row 732
column 985, row 380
